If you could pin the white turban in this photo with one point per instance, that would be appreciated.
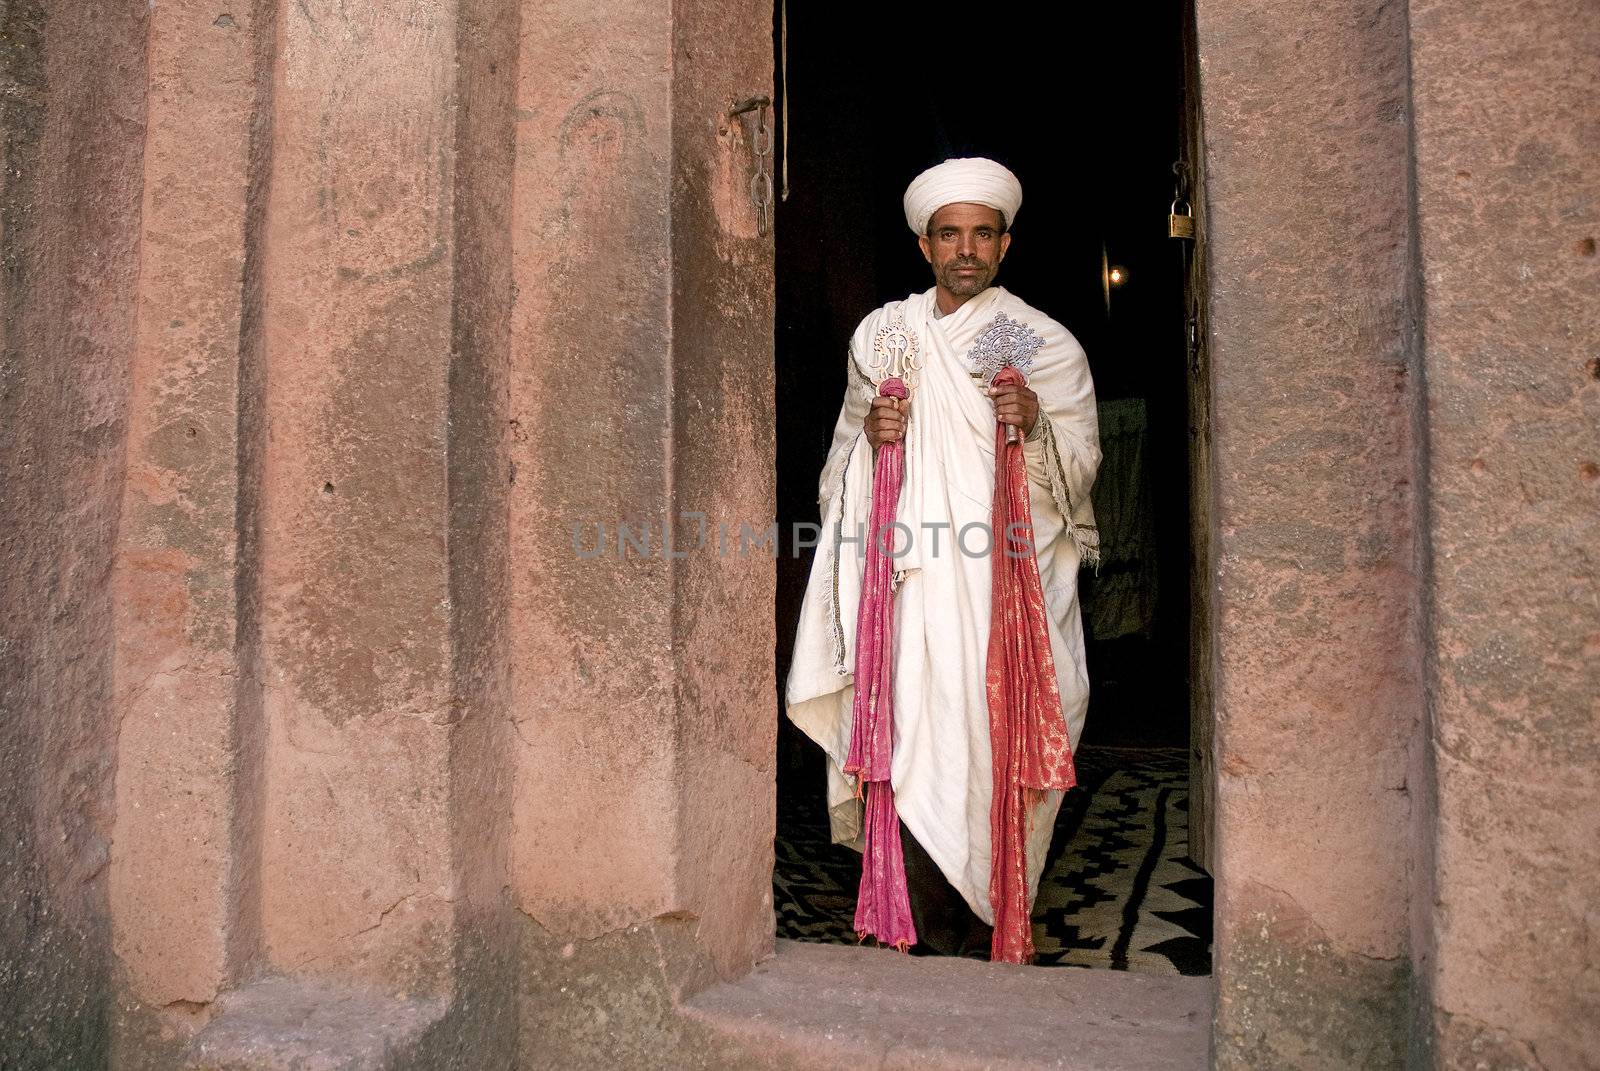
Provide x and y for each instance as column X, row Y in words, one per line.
column 972, row 180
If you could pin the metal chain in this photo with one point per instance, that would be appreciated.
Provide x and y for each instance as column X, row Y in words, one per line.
column 761, row 182
column 761, row 186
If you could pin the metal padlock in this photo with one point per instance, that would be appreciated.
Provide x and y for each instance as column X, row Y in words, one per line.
column 1180, row 224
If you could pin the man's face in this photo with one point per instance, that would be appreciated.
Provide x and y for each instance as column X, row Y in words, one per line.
column 965, row 246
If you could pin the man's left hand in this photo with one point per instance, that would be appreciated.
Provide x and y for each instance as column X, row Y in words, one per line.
column 1015, row 405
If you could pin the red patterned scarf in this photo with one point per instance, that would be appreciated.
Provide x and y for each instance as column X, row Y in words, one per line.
column 1027, row 729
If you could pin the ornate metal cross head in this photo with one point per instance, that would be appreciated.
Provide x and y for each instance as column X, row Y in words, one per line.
column 1005, row 343
column 894, row 353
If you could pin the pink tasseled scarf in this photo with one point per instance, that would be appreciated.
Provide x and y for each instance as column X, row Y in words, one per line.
column 883, row 906
column 1027, row 728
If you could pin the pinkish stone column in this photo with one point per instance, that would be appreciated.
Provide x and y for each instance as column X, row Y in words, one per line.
column 590, row 409
column 72, row 115
column 183, row 865
column 1507, row 137
column 357, row 881
column 646, row 705
column 313, row 791
column 1317, row 686
column 723, row 456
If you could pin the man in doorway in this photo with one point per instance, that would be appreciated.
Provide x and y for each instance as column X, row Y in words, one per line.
column 961, row 330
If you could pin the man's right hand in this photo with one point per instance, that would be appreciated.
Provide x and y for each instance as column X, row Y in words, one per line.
column 886, row 421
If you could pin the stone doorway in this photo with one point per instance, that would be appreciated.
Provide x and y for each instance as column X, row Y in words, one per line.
column 311, row 706
column 1095, row 144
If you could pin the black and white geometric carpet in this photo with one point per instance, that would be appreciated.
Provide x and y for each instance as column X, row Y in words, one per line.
column 1119, row 890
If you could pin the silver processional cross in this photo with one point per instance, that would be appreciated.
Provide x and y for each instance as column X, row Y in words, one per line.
column 1005, row 343
column 894, row 354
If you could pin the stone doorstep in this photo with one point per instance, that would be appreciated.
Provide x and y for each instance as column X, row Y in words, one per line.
column 279, row 1024
column 837, row 1006
column 810, row 1006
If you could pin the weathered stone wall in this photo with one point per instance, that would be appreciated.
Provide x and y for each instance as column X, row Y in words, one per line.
column 324, row 324
column 723, row 459
column 1313, row 388
column 72, row 79
column 184, row 860
column 299, row 271
column 278, row 238
column 355, row 604
column 1508, row 202
column 480, row 475
column 642, row 392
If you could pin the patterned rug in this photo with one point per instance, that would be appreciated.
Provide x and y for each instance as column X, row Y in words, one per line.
column 1119, row 890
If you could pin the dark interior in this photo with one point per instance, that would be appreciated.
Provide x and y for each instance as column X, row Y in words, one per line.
column 1085, row 105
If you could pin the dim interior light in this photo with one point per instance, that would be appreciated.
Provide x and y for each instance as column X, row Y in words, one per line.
column 1118, row 276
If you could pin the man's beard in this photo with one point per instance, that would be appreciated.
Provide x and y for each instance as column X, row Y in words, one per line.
column 966, row 285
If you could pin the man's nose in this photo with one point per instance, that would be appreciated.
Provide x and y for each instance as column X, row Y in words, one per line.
column 966, row 245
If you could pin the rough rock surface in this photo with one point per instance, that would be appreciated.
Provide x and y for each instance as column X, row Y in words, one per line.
column 821, row 1006
column 1319, row 662
column 1507, row 135
column 71, row 82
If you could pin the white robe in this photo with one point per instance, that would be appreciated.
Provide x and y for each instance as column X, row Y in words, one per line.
column 942, row 767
